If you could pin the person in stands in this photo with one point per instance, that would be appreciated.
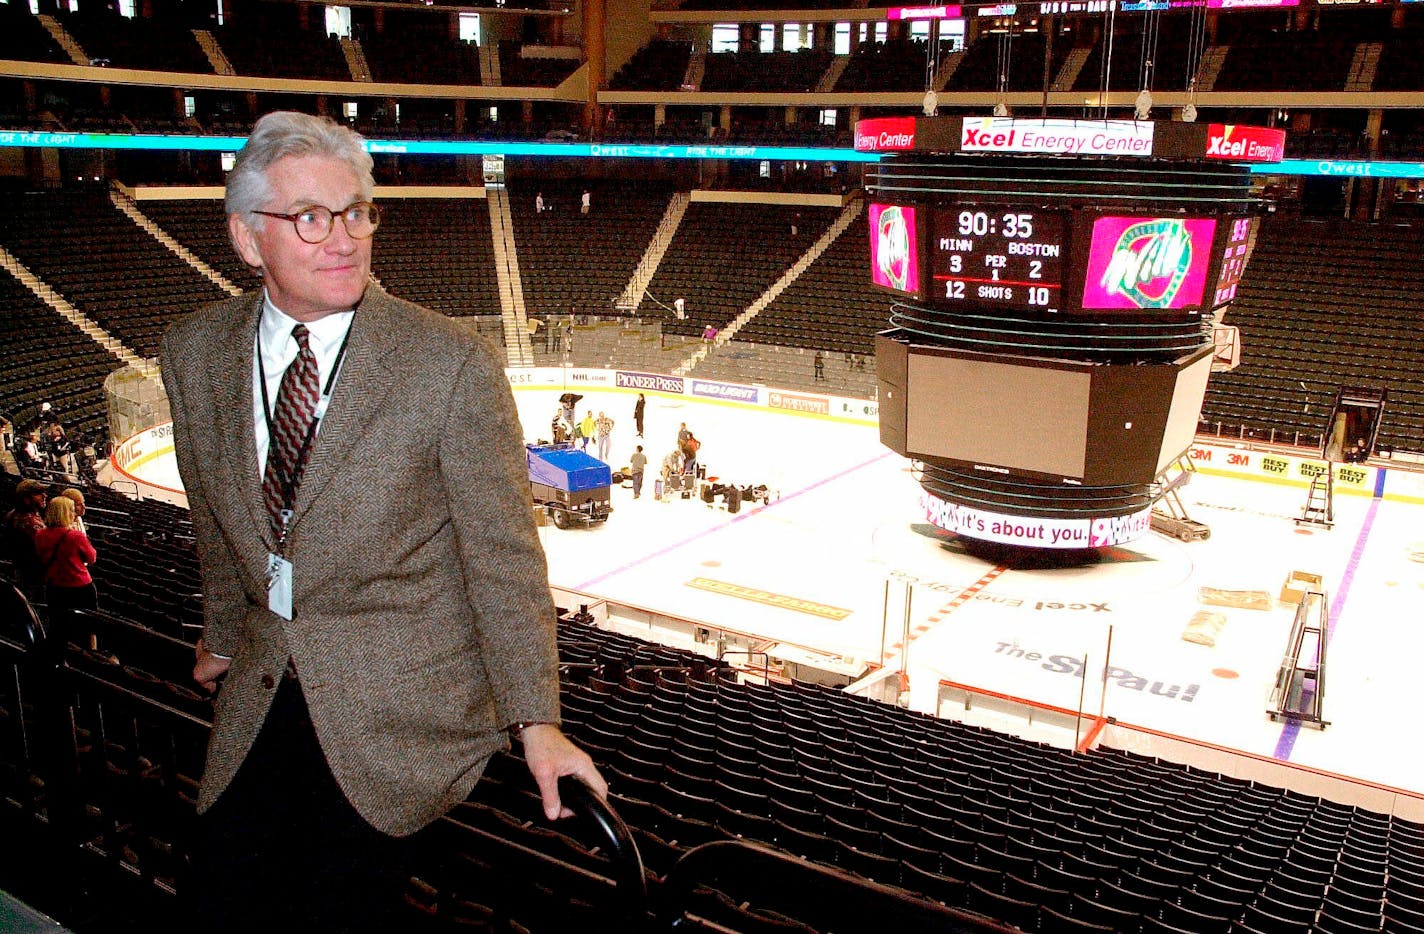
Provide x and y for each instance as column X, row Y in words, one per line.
column 21, row 526
column 29, row 512
column 77, row 497
column 380, row 633
column 65, row 554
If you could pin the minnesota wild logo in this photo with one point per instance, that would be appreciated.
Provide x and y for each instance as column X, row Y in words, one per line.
column 893, row 253
column 1149, row 263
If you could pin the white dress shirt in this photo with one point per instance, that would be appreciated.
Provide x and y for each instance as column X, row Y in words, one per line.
column 278, row 349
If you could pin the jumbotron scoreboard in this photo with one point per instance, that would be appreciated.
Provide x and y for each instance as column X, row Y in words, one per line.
column 1053, row 287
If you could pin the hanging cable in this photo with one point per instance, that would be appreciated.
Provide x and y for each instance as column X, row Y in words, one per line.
column 1109, row 36
column 1006, row 59
column 1147, row 64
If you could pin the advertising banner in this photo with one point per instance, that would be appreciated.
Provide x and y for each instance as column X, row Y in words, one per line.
column 731, row 392
column 653, row 382
column 885, row 134
column 1244, row 143
column 581, row 377
column 923, row 12
column 1224, row 460
column 797, row 402
column 1034, row 531
column 1058, row 137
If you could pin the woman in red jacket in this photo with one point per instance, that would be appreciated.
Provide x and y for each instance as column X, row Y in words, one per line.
column 65, row 554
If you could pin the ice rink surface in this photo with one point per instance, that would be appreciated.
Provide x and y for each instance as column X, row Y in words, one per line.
column 843, row 545
column 847, row 521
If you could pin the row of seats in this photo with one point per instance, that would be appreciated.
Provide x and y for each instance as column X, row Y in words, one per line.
column 724, row 256
column 1032, row 835
column 572, row 263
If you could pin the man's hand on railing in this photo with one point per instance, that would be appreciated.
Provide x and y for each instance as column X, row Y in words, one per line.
column 551, row 756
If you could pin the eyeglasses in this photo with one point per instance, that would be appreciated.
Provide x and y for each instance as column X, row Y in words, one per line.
column 314, row 224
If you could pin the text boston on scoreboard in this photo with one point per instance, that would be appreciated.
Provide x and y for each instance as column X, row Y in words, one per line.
column 998, row 255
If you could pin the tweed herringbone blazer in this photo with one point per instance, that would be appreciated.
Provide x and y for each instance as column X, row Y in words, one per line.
column 422, row 621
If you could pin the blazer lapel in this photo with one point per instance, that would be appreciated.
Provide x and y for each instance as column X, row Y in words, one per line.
column 233, row 383
column 361, row 389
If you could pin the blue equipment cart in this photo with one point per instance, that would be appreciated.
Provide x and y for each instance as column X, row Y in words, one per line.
column 572, row 487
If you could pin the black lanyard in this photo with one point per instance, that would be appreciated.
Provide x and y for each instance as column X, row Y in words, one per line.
column 289, row 483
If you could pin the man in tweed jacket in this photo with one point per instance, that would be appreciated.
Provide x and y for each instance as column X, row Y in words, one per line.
column 418, row 634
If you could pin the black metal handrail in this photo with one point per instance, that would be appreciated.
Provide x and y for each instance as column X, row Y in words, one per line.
column 595, row 814
column 20, row 625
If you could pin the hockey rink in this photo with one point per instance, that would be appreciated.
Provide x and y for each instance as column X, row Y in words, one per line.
column 846, row 538
column 842, row 562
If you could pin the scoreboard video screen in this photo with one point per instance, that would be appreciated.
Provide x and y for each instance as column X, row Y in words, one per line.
column 1147, row 263
column 895, row 248
column 1013, row 258
column 997, row 255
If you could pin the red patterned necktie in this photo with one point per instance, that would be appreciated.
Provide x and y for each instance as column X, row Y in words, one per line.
column 291, row 429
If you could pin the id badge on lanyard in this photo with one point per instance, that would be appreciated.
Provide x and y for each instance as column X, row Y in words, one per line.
column 279, row 567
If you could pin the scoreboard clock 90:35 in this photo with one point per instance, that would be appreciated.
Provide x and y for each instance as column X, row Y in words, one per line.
column 1002, row 256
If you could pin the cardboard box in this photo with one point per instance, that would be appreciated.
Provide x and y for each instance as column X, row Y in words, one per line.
column 1300, row 583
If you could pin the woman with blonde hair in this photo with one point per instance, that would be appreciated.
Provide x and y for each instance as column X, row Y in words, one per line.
column 64, row 552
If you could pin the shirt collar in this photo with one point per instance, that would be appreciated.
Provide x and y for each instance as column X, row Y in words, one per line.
column 275, row 328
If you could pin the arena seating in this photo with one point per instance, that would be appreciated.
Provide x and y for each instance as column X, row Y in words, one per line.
column 519, row 70
column 724, row 255
column 22, row 37
column 1400, row 66
column 201, row 226
column 828, row 307
column 894, row 65
column 457, row 282
column 765, row 71
column 1291, row 60
column 1169, row 64
column 273, row 43
column 1019, row 57
column 416, row 48
column 126, row 42
column 1328, row 304
column 45, row 359
column 1034, row 836
column 575, row 263
column 80, row 244
column 1301, row 320
column 658, row 66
